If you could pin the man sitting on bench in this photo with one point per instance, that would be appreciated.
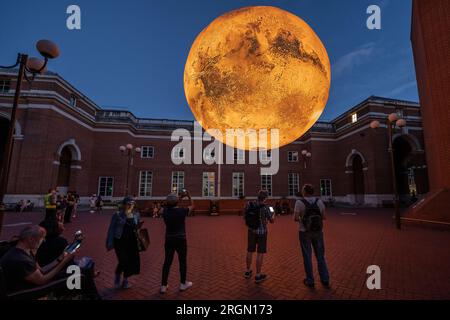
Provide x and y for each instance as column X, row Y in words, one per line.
column 22, row 272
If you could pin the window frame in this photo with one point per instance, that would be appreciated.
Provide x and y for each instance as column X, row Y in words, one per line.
column 207, row 185
column 176, row 155
column 3, row 85
column 106, row 186
column 146, row 187
column 264, row 183
column 292, row 153
column 331, row 187
column 239, row 173
column 297, row 175
column 178, row 174
column 148, row 148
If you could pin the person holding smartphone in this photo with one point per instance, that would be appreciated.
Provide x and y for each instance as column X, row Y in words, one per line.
column 22, row 271
column 174, row 219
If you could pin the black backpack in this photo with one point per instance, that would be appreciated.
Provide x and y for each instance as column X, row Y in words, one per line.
column 312, row 218
column 253, row 215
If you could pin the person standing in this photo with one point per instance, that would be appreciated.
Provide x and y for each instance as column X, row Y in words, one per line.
column 174, row 219
column 122, row 237
column 50, row 204
column 99, row 204
column 69, row 208
column 92, row 201
column 257, row 215
column 310, row 213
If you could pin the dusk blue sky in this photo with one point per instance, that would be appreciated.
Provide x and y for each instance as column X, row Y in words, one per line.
column 131, row 54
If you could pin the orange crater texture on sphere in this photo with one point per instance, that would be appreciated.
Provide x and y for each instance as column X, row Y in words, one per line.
column 258, row 68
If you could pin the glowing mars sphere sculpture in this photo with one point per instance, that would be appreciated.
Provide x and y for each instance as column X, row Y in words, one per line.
column 258, row 68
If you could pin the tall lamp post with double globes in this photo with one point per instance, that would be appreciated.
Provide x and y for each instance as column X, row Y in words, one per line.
column 29, row 67
column 306, row 155
column 392, row 122
column 128, row 151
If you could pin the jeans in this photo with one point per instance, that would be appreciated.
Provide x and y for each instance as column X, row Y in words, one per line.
column 314, row 240
column 172, row 245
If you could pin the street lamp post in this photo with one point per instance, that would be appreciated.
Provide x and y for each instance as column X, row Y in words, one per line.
column 305, row 156
column 392, row 122
column 128, row 151
column 29, row 67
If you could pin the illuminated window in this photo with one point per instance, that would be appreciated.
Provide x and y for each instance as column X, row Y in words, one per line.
column 177, row 181
column 354, row 118
column 208, row 184
column 325, row 188
column 105, row 186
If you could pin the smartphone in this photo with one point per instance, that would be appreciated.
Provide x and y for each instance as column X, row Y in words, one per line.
column 74, row 246
column 271, row 210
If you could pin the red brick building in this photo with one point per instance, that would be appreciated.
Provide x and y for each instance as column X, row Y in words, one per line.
column 64, row 139
column 431, row 45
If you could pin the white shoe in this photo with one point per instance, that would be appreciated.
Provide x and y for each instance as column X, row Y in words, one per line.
column 163, row 289
column 185, row 286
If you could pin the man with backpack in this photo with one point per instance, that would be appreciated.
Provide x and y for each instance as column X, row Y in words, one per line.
column 310, row 213
column 257, row 214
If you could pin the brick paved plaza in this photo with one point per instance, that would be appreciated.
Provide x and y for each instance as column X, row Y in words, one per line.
column 414, row 262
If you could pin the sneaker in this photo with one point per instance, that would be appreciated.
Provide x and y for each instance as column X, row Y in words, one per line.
column 117, row 281
column 308, row 284
column 126, row 284
column 260, row 278
column 326, row 284
column 248, row 274
column 185, row 286
column 163, row 289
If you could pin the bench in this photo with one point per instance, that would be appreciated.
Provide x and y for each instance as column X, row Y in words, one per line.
column 232, row 206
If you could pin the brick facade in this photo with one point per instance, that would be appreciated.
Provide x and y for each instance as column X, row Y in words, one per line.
column 48, row 122
column 431, row 45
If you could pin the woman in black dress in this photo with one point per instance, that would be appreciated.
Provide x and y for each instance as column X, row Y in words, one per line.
column 122, row 237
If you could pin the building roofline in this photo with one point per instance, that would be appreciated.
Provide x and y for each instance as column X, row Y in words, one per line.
column 123, row 113
column 375, row 99
column 54, row 75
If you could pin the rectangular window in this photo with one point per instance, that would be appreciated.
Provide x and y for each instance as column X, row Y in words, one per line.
column 239, row 155
column 105, row 186
column 354, row 118
column 325, row 188
column 208, row 184
column 178, row 153
column 265, row 155
column 145, row 183
column 5, row 85
column 266, row 183
column 147, row 152
column 238, row 184
column 177, row 181
column 292, row 156
column 73, row 101
column 293, row 184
